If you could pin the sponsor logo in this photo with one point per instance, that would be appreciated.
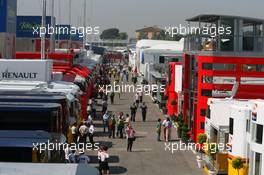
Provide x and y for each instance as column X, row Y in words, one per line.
column 18, row 75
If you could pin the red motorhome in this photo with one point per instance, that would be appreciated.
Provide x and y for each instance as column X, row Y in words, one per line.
column 173, row 92
column 214, row 62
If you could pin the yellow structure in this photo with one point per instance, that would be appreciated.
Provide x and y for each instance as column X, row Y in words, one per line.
column 232, row 171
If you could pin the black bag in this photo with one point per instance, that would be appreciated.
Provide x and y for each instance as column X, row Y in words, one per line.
column 133, row 139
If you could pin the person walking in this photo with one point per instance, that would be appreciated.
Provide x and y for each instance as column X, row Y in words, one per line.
column 72, row 157
column 127, row 76
column 137, row 99
column 111, row 126
column 93, row 108
column 83, row 130
column 120, row 125
column 144, row 111
column 141, row 96
column 133, row 110
column 167, row 129
column 127, row 120
column 74, row 132
column 91, row 133
column 104, row 106
column 158, row 129
column 103, row 157
column 112, row 97
column 105, row 120
column 130, row 137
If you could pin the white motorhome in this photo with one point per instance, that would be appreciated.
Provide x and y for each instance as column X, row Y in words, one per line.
column 159, row 47
column 238, row 124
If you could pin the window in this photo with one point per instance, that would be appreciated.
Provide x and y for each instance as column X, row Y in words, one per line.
column 248, row 126
column 161, row 59
column 257, row 163
column 231, row 126
column 259, row 134
column 252, row 67
column 227, row 41
column 218, row 66
column 207, row 93
column 203, row 112
column 252, row 36
column 207, row 66
column 202, row 125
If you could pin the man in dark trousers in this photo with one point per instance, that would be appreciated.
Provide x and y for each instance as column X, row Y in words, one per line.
column 144, row 111
column 133, row 110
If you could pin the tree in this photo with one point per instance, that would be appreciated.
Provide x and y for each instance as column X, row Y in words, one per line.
column 237, row 163
column 201, row 140
column 123, row 36
column 184, row 134
column 112, row 33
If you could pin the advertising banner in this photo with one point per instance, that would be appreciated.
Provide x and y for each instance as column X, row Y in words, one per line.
column 63, row 32
column 26, row 70
column 29, row 26
column 8, row 12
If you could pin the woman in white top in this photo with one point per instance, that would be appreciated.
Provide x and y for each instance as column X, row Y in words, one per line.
column 103, row 157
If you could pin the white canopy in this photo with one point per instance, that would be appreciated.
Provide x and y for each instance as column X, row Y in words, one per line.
column 149, row 43
column 172, row 47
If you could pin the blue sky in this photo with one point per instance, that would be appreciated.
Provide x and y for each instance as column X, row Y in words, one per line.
column 129, row 15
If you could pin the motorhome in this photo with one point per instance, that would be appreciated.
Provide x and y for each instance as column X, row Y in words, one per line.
column 24, row 146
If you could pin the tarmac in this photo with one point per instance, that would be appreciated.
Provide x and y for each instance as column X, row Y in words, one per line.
column 148, row 156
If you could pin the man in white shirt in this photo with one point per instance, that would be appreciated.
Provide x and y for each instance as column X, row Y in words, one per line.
column 105, row 120
column 67, row 153
column 91, row 133
column 137, row 99
column 83, row 133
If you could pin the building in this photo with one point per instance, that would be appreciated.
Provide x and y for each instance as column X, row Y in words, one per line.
column 212, row 65
column 235, row 124
column 148, row 32
column 217, row 129
column 256, row 146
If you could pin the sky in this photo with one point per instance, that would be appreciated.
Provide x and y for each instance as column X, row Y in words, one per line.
column 130, row 15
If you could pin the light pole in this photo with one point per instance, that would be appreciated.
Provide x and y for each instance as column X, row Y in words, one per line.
column 84, row 22
column 70, row 15
column 52, row 36
column 43, row 28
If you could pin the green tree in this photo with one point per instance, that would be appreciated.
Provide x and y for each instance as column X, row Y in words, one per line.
column 112, row 33
column 237, row 163
column 202, row 138
column 123, row 36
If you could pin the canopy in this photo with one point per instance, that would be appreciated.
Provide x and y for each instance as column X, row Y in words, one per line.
column 173, row 47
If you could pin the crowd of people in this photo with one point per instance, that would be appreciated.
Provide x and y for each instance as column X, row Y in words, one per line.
column 115, row 125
